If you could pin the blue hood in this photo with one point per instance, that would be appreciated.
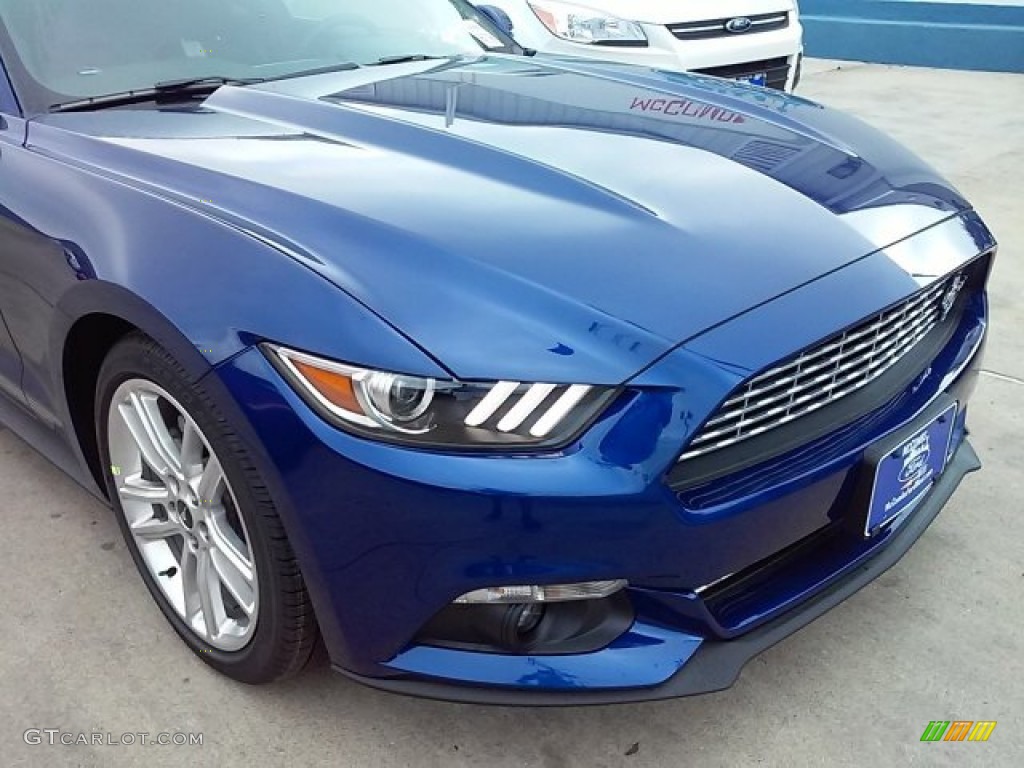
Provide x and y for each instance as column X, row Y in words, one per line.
column 562, row 220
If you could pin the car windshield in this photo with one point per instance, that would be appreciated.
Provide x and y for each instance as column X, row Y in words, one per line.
column 61, row 50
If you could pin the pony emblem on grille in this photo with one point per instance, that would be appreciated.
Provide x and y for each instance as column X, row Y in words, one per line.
column 950, row 296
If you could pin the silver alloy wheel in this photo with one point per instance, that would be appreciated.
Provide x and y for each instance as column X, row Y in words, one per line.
column 183, row 515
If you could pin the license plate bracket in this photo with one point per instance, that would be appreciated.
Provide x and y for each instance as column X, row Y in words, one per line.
column 906, row 466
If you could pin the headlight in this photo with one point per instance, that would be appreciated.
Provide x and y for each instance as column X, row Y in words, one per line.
column 586, row 25
column 441, row 413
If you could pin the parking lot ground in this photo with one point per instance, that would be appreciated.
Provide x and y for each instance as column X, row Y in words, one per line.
column 938, row 637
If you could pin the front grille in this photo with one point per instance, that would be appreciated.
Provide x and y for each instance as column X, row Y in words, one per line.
column 776, row 71
column 827, row 372
column 704, row 30
column 793, row 463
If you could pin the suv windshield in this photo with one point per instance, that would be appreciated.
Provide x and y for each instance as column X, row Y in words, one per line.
column 62, row 50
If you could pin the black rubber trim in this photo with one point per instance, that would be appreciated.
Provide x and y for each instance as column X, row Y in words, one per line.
column 717, row 664
column 620, row 43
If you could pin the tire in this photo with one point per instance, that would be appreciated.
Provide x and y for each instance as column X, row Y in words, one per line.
column 197, row 518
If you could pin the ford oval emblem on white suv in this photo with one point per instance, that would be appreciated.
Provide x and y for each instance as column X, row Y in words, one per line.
column 739, row 24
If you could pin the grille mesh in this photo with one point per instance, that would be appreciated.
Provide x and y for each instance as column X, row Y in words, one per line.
column 827, row 372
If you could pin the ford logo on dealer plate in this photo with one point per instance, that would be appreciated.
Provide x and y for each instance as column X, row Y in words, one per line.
column 739, row 24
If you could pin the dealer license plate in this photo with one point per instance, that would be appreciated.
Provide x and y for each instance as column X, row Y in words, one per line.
column 908, row 471
column 758, row 79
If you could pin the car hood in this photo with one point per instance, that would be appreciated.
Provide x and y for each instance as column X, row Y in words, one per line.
column 526, row 217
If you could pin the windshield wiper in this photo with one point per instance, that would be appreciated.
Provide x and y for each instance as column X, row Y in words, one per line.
column 166, row 91
column 403, row 58
column 199, row 83
column 342, row 66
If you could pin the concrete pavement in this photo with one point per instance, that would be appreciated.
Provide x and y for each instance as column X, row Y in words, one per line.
column 939, row 637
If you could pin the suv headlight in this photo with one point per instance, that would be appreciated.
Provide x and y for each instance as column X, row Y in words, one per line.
column 441, row 413
column 586, row 25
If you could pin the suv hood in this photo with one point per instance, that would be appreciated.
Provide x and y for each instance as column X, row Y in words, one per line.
column 562, row 220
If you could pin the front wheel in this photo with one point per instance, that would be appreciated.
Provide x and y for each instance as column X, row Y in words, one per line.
column 198, row 520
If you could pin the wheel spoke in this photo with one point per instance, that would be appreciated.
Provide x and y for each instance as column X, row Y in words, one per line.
column 142, row 416
column 228, row 544
column 153, row 528
column 196, row 581
column 207, row 582
column 237, row 583
column 191, row 448
column 210, row 483
column 134, row 488
column 189, row 583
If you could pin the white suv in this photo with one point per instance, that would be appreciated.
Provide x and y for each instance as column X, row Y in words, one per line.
column 759, row 41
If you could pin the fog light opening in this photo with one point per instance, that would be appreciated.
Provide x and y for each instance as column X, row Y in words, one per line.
column 541, row 621
column 523, row 620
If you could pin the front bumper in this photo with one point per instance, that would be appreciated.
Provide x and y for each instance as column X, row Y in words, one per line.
column 388, row 537
column 715, row 664
column 739, row 54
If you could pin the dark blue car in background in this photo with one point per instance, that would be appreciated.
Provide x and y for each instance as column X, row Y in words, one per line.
column 508, row 378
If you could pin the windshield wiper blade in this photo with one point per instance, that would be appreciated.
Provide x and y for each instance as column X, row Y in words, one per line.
column 192, row 84
column 403, row 58
column 342, row 66
column 166, row 91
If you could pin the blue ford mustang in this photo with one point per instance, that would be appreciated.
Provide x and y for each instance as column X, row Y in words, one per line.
column 511, row 378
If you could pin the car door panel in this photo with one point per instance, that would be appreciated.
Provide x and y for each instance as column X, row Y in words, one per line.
column 12, row 132
column 34, row 268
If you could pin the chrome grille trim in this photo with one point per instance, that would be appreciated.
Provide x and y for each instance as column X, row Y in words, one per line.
column 824, row 373
column 701, row 30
